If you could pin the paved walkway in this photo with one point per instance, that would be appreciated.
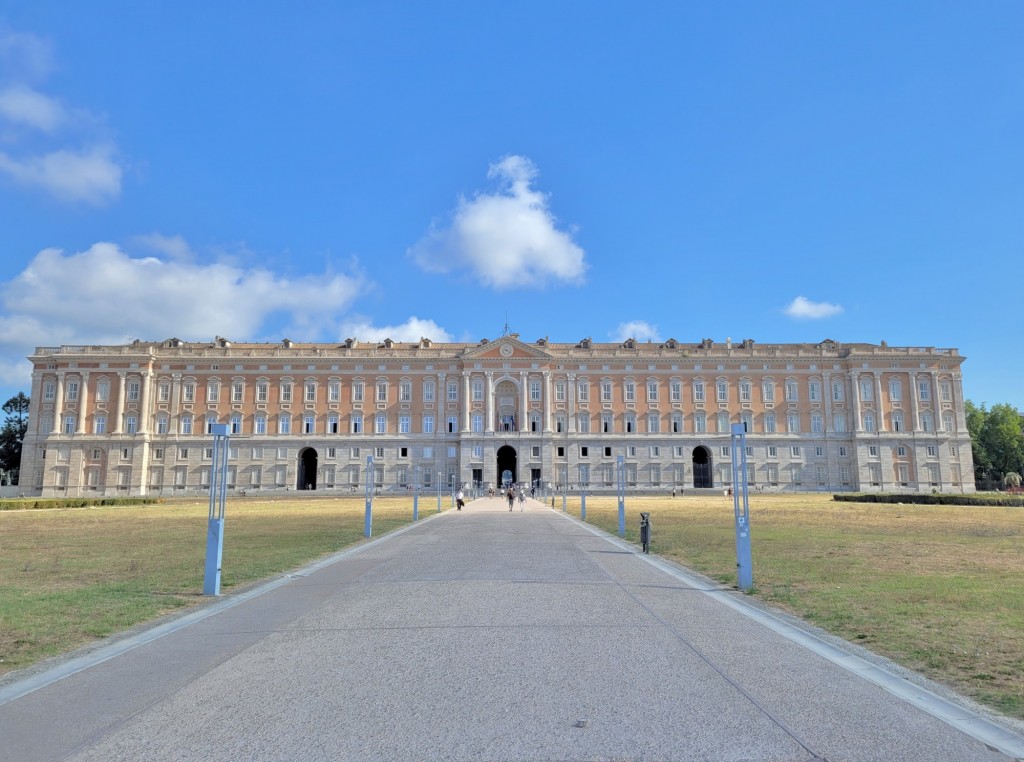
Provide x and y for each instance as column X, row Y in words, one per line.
column 484, row 635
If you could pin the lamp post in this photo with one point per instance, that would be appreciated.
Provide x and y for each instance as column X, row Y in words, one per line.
column 215, row 525
column 368, row 523
column 415, row 493
column 438, row 491
column 744, row 567
column 621, row 483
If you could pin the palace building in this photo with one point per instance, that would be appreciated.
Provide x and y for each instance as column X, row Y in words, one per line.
column 136, row 419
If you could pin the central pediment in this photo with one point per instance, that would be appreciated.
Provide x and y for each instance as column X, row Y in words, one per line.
column 506, row 348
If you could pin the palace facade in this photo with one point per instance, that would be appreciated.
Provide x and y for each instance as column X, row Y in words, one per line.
column 136, row 419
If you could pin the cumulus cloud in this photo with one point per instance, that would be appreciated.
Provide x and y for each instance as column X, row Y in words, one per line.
column 412, row 329
column 802, row 308
column 91, row 175
column 174, row 246
column 22, row 104
column 41, row 152
column 506, row 239
column 640, row 330
column 104, row 295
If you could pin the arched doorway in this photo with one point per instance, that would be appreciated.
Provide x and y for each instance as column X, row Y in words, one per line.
column 307, row 469
column 507, row 465
column 702, row 467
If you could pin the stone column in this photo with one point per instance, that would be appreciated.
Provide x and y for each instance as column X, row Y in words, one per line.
column 547, row 402
column 826, row 383
column 914, row 407
column 936, row 402
column 58, row 405
column 524, row 402
column 115, row 427
column 175, row 402
column 858, row 424
column 442, row 404
column 145, row 404
column 571, row 401
column 465, row 401
column 880, row 423
column 83, row 403
column 489, row 426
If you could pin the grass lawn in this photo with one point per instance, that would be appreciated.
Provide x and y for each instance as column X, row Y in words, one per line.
column 69, row 576
column 938, row 589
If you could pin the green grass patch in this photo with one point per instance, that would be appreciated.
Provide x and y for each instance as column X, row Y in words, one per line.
column 937, row 588
column 69, row 576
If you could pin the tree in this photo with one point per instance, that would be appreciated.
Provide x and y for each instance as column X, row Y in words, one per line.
column 997, row 442
column 12, row 434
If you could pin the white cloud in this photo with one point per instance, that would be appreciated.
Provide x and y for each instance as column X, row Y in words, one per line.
column 507, row 239
column 412, row 329
column 91, row 175
column 174, row 246
column 802, row 308
column 640, row 330
column 22, row 104
column 86, row 169
column 103, row 295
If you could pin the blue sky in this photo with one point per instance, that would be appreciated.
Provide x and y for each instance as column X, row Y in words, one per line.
column 785, row 172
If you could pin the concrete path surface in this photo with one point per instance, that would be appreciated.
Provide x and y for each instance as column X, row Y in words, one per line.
column 485, row 635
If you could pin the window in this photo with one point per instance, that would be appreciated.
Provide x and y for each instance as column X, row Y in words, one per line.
column 748, row 422
column 560, row 391
column 723, row 423
column 933, row 451
column 652, row 391
column 837, row 391
column 310, row 391
column 453, row 391
column 161, row 424
column 677, row 423
column 792, row 394
column 630, row 423
column 842, row 451
column 428, row 390
column 793, row 423
column 924, row 390
column 186, row 424
column 332, row 424
column 257, row 453
column 478, row 452
column 428, row 452
column 99, row 424
column 262, row 391
column 133, row 391
column 947, row 421
column 49, row 391
column 698, row 391
column 722, row 391
column 534, row 390
column 897, row 421
column 676, row 391
column 334, row 391
column 428, row 424
column 237, row 391
column 795, row 451
column 839, row 422
column 477, row 423
column 213, row 391
column 380, row 424
column 357, row 423
column 284, row 424
column 926, row 422
column 816, row 423
column 768, row 390
column 814, row 391
column 629, row 390
column 188, row 392
column 453, row 424
column 404, row 423
column 72, row 391
column 358, row 391
column 726, row 452
column 131, row 424
column 378, row 453
column 873, row 451
column 260, row 425
column 866, row 390
column 286, row 391
column 744, row 391
column 869, row 422
column 945, row 391
column 308, row 424
column 103, row 391
column 405, row 391
column 819, row 451
column 700, row 423
column 769, row 423
column 901, row 452
column 584, row 423
column 210, row 421
column 584, row 391
column 773, row 451
column 584, row 451
column 895, row 389
column 606, row 391
column 382, row 391
column 607, row 422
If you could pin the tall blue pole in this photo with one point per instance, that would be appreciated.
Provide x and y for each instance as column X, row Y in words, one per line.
column 215, row 525
column 438, row 491
column 415, row 493
column 368, row 523
column 744, row 565
column 621, row 467
column 583, row 504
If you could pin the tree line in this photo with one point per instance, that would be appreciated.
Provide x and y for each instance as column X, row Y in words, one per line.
column 997, row 442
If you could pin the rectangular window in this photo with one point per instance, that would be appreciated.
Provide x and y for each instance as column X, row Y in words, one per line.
column 869, row 422
column 262, row 391
column 357, row 424
column 186, row 425
column 793, row 423
column 189, row 392
column 795, row 451
column 428, row 390
column 404, row 424
column 560, row 391
column 629, row 390
column 676, row 391
column 308, row 424
column 816, row 423
column 837, row 391
column 131, row 424
column 945, row 391
column 814, row 392
column 698, row 391
column 49, row 391
column 310, row 391
column 477, row 423
column 652, row 391
column 769, row 423
column 722, row 391
column 873, row 451
column 237, row 391
column 584, row 391
column 257, row 453
column 334, row 392
column 260, row 424
column 284, row 424
column 700, row 423
column 133, row 391
column 866, row 390
column 286, row 391
column 161, row 425
column 428, row 424
column 382, row 391
column 744, row 391
column 381, row 424
column 72, row 392
column 819, row 451
column 792, row 394
column 606, row 391
column 103, row 391
column 405, row 391
column 212, row 392
column 453, row 424
column 99, row 424
column 773, row 451
column 453, row 391
column 768, row 390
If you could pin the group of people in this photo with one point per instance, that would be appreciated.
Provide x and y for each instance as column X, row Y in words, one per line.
column 511, row 492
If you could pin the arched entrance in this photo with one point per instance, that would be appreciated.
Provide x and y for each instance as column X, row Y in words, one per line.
column 307, row 469
column 702, row 467
column 507, row 463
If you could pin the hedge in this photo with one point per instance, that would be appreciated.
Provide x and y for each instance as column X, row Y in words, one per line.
column 27, row 504
column 929, row 498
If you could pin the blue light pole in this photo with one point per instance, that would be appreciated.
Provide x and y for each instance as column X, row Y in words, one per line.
column 415, row 493
column 744, row 565
column 621, row 467
column 438, row 491
column 368, row 524
column 215, row 526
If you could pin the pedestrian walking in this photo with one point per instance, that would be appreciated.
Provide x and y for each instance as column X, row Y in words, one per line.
column 511, row 496
column 459, row 501
column 522, row 497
